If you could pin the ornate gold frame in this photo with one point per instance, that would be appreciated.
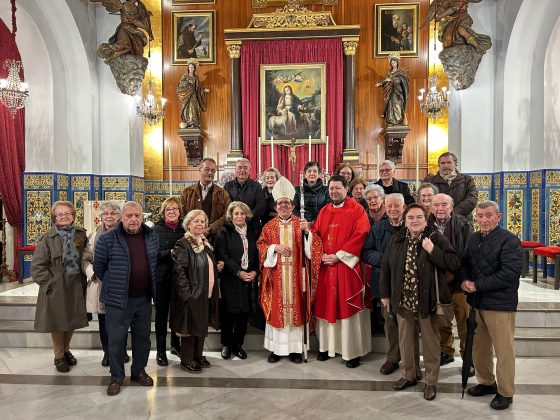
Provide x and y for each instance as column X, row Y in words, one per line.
column 201, row 14
column 266, row 3
column 414, row 7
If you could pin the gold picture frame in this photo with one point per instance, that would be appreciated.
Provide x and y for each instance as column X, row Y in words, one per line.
column 390, row 21
column 267, row 3
column 181, row 2
column 194, row 36
column 297, row 112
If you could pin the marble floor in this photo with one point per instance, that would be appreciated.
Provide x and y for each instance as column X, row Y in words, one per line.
column 31, row 388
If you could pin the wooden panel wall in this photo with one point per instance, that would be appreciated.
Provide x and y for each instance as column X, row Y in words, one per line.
column 369, row 70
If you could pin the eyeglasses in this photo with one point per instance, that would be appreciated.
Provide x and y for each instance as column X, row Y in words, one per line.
column 209, row 171
column 171, row 209
column 61, row 215
column 113, row 213
column 385, row 170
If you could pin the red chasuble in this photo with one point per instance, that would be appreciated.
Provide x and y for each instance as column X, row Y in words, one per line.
column 341, row 292
column 271, row 278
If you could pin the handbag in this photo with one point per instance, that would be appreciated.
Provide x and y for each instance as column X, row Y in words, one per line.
column 443, row 309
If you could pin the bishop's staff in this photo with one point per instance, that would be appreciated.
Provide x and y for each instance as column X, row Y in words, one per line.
column 305, row 286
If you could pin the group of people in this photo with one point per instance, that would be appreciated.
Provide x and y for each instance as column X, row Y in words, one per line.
column 314, row 255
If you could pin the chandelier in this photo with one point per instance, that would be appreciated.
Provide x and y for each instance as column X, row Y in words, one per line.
column 148, row 107
column 435, row 101
column 14, row 93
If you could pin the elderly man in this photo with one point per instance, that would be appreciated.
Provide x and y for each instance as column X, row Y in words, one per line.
column 459, row 186
column 248, row 191
column 374, row 195
column 490, row 276
column 457, row 229
column 390, row 184
column 282, row 294
column 372, row 253
column 207, row 196
column 425, row 195
column 126, row 262
column 343, row 302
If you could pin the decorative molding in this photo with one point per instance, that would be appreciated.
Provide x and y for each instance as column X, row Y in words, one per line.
column 266, row 3
column 350, row 46
column 292, row 16
column 234, row 49
column 40, row 181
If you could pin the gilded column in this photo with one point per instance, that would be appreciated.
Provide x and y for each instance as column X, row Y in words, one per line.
column 349, row 154
column 234, row 51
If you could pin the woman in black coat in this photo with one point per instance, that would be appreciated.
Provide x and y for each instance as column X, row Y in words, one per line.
column 315, row 194
column 236, row 247
column 408, row 287
column 169, row 231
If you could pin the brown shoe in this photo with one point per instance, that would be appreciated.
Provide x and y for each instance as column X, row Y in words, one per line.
column 419, row 375
column 388, row 368
column 403, row 383
column 430, row 392
column 114, row 388
column 142, row 379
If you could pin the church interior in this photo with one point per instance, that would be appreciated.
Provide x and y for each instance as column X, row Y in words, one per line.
column 90, row 127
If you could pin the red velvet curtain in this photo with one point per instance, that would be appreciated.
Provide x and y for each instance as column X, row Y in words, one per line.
column 12, row 146
column 255, row 53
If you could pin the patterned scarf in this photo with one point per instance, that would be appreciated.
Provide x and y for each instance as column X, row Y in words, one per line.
column 409, row 299
column 243, row 234
column 449, row 177
column 197, row 242
column 70, row 255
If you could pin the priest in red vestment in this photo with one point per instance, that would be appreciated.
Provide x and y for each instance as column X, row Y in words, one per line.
column 343, row 303
column 282, row 295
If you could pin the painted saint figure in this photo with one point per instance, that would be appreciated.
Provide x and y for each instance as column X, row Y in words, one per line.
column 395, row 92
column 191, row 93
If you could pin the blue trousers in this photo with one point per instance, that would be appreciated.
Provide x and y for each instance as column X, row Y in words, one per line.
column 138, row 317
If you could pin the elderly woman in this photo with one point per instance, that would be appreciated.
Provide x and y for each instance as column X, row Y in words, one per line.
column 55, row 267
column 425, row 194
column 390, row 184
column 236, row 247
column 413, row 261
column 315, row 194
column 110, row 213
column 169, row 231
column 194, row 302
column 375, row 196
column 271, row 176
column 345, row 170
column 356, row 190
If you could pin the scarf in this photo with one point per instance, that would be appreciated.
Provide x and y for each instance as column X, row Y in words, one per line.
column 409, row 299
column 245, row 257
column 197, row 243
column 450, row 177
column 377, row 215
column 70, row 255
column 171, row 225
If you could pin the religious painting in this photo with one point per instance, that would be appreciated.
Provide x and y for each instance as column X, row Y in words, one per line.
column 396, row 29
column 180, row 2
column 293, row 102
column 194, row 36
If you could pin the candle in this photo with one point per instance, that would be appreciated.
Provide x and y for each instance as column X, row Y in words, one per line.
column 205, row 151
column 309, row 160
column 170, row 170
column 327, row 155
column 259, row 154
column 272, row 150
column 417, row 166
column 217, row 166
column 367, row 164
column 378, row 157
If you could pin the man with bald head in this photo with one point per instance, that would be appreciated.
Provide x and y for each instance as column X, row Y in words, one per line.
column 248, row 191
column 457, row 229
column 125, row 261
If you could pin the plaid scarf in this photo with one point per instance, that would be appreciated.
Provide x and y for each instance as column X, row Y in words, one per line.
column 70, row 255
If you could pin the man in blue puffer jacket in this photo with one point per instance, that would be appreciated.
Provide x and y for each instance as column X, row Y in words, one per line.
column 125, row 260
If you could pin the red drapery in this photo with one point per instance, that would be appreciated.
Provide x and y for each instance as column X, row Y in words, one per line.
column 255, row 53
column 12, row 146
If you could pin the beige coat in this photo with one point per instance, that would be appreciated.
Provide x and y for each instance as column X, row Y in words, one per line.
column 61, row 302
column 93, row 305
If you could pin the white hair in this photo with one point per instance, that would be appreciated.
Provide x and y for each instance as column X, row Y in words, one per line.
column 388, row 162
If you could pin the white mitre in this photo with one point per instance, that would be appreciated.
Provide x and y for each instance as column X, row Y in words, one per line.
column 283, row 189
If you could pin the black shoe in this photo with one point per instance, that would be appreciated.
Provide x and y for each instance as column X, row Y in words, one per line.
column 273, row 358
column 500, row 402
column 61, row 365
column 295, row 358
column 161, row 359
column 239, row 353
column 176, row 351
column 481, row 389
column 191, row 367
column 353, row 363
column 126, row 358
column 226, row 353
column 203, row 362
column 445, row 359
column 72, row 361
column 105, row 360
column 323, row 355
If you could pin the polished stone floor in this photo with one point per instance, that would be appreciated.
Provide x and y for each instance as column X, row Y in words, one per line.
column 31, row 388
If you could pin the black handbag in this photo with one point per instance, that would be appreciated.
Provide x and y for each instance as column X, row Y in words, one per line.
column 256, row 317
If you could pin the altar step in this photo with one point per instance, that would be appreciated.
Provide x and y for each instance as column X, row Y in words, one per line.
column 537, row 330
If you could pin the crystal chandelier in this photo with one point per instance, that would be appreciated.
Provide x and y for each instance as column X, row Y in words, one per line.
column 14, row 93
column 148, row 108
column 435, row 101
